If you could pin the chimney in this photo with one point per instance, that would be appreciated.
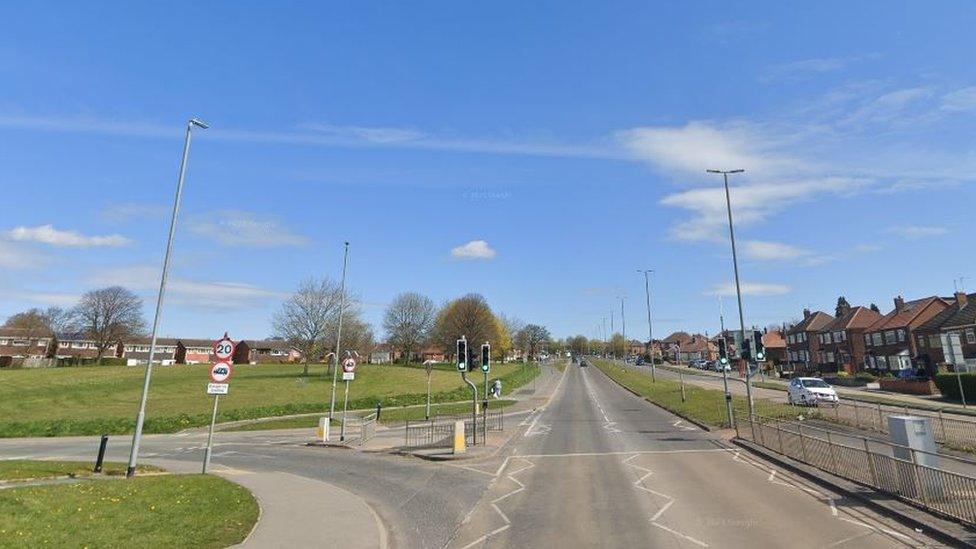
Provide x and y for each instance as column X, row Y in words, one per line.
column 899, row 303
column 806, row 313
column 961, row 299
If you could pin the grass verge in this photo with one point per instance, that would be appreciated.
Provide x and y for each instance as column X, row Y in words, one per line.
column 156, row 511
column 27, row 469
column 101, row 400
column 700, row 404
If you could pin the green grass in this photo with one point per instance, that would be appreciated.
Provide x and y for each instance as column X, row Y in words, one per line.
column 704, row 405
column 391, row 416
column 25, row 469
column 153, row 511
column 103, row 399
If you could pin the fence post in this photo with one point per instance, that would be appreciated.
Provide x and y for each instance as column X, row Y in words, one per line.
column 881, row 423
column 779, row 435
column 833, row 454
column 918, row 478
column 803, row 445
column 857, row 416
column 942, row 422
column 874, row 472
column 735, row 424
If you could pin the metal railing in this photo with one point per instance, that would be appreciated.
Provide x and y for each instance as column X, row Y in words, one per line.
column 948, row 429
column 439, row 429
column 364, row 426
column 898, row 470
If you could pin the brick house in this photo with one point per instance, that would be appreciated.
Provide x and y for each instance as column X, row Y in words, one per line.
column 803, row 342
column 774, row 343
column 890, row 342
column 18, row 343
column 136, row 351
column 668, row 344
column 694, row 347
column 842, row 340
column 250, row 351
column 958, row 318
column 194, row 351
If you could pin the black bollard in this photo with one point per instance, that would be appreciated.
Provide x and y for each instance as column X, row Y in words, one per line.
column 101, row 453
column 379, row 408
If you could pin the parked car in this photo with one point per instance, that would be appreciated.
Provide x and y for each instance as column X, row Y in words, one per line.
column 698, row 364
column 718, row 367
column 811, row 391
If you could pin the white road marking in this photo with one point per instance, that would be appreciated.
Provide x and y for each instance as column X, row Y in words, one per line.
column 679, row 534
column 631, row 452
column 494, row 504
column 639, row 484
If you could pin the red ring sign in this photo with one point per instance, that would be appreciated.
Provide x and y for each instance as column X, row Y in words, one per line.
column 349, row 365
column 224, row 349
column 220, row 372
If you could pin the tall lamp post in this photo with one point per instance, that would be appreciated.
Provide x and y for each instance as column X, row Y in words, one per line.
column 650, row 331
column 735, row 267
column 141, row 417
column 342, row 306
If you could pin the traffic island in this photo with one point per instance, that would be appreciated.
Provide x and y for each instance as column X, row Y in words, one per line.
column 160, row 510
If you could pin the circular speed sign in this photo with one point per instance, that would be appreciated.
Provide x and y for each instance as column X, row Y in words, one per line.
column 220, row 372
column 349, row 365
column 224, row 349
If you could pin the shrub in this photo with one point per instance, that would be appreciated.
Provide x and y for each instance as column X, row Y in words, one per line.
column 949, row 385
column 866, row 376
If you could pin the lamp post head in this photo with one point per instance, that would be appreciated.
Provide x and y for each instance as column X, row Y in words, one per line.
column 199, row 123
column 726, row 171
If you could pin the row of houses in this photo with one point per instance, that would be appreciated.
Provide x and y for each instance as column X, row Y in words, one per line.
column 927, row 333
column 18, row 344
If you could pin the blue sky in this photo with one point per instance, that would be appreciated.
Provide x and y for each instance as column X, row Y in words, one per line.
column 536, row 153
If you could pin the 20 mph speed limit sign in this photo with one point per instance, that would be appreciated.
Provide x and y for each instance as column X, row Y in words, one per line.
column 224, row 349
column 220, row 372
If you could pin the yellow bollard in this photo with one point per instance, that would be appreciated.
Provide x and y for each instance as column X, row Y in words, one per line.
column 322, row 431
column 459, row 442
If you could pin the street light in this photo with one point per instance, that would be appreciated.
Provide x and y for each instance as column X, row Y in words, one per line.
column 735, row 267
column 650, row 331
column 342, row 306
column 141, row 417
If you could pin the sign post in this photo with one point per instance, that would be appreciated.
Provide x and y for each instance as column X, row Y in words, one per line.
column 348, row 374
column 220, row 372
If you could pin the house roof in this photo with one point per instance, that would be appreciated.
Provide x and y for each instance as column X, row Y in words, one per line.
column 953, row 315
column 677, row 337
column 813, row 323
column 904, row 317
column 857, row 317
column 168, row 341
column 20, row 332
column 280, row 344
column 774, row 340
column 697, row 342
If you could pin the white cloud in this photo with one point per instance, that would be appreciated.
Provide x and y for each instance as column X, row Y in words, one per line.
column 47, row 234
column 963, row 99
column 121, row 212
column 185, row 291
column 239, row 228
column 13, row 257
column 758, row 289
column 53, row 298
column 476, row 249
column 817, row 65
column 771, row 251
column 372, row 135
column 698, row 146
column 917, row 231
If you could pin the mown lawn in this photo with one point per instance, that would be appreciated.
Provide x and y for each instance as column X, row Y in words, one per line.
column 701, row 404
column 104, row 399
column 28, row 469
column 154, row 511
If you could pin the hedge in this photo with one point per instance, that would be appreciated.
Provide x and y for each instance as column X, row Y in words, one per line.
column 949, row 385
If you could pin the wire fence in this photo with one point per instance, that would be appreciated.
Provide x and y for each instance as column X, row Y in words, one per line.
column 912, row 475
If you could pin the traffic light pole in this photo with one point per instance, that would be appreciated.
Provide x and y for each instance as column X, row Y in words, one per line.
column 474, row 408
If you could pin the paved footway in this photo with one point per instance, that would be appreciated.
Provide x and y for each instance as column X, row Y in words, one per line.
column 600, row 467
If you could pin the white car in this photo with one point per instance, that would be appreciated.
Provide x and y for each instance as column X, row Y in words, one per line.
column 811, row 391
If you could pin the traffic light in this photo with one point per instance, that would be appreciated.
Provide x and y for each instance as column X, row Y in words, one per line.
column 744, row 346
column 485, row 357
column 723, row 353
column 760, row 349
column 462, row 355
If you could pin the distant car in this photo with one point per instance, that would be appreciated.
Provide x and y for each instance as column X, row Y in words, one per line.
column 699, row 364
column 718, row 367
column 811, row 391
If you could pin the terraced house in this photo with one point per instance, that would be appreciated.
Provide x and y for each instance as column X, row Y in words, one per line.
column 803, row 341
column 890, row 342
column 935, row 348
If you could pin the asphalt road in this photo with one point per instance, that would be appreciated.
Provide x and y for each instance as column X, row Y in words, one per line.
column 600, row 467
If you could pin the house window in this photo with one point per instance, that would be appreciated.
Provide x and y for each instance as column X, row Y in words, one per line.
column 921, row 341
column 830, row 356
column 803, row 336
column 935, row 342
column 876, row 337
column 970, row 336
column 839, row 336
column 889, row 336
column 901, row 336
column 791, row 339
column 867, row 339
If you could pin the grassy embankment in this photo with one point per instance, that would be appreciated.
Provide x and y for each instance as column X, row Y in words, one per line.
column 93, row 400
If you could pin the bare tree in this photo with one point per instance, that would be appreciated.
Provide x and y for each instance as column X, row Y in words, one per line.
column 31, row 325
column 109, row 316
column 468, row 316
column 531, row 337
column 60, row 320
column 408, row 321
column 304, row 319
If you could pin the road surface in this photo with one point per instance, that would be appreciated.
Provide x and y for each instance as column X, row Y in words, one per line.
column 599, row 467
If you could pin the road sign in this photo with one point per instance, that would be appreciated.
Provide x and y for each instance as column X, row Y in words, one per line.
column 224, row 349
column 217, row 388
column 220, row 372
column 348, row 376
column 349, row 365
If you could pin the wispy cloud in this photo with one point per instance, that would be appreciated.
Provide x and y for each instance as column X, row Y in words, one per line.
column 188, row 292
column 758, row 289
column 370, row 134
column 47, row 234
column 122, row 212
column 13, row 256
column 240, row 228
column 912, row 232
column 475, row 249
column 772, row 251
column 804, row 67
